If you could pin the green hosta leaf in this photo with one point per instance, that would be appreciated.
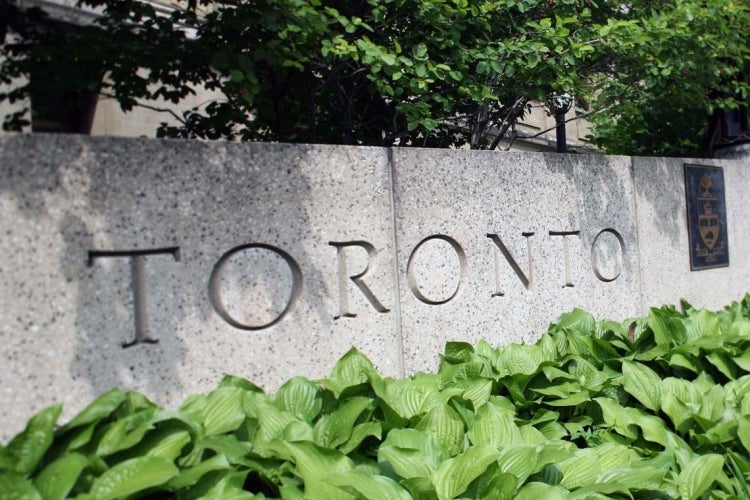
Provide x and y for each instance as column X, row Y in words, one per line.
column 724, row 364
column 192, row 475
column 552, row 453
column 221, row 486
column 581, row 345
column 634, row 478
column 743, row 360
column 445, row 425
column 458, row 352
column 699, row 474
column 643, row 383
column 575, row 399
column 313, row 465
column 101, row 408
column 367, row 486
column 559, row 390
column 132, row 476
column 587, row 374
column 552, row 431
column 743, row 431
column 739, row 328
column 239, row 382
column 484, row 350
column 16, row 487
column 225, row 444
column 679, row 412
column 125, row 432
column 712, row 402
column 519, row 460
column 681, row 389
column 679, row 360
column 24, row 451
column 496, row 484
column 76, row 438
column 360, row 433
column 721, row 432
column 653, row 428
column 224, row 410
column 577, row 321
column 551, row 349
column 420, row 488
column 411, row 453
column 352, row 369
column 539, row 491
column 272, row 421
column 58, row 478
column 453, row 476
column 494, row 426
column 580, row 470
column 167, row 443
column 617, row 417
column 336, row 428
column 411, row 397
column 298, row 430
column 614, row 456
column 518, row 359
column 476, row 391
column 702, row 324
column 300, row 397
column 667, row 326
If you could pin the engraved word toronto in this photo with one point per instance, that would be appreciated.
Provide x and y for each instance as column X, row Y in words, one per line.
column 137, row 262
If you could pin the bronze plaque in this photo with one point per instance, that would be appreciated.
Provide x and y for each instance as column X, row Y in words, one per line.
column 706, row 217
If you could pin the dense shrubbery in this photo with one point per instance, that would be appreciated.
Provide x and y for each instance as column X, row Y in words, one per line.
column 658, row 407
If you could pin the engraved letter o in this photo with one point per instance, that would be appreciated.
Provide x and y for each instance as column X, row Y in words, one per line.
column 594, row 265
column 215, row 293
column 413, row 280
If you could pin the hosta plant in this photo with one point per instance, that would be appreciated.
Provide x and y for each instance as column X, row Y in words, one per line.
column 655, row 407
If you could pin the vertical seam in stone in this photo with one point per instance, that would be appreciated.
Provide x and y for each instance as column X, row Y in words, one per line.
column 637, row 238
column 396, row 281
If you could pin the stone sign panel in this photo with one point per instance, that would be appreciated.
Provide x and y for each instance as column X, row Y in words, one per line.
column 160, row 266
column 487, row 241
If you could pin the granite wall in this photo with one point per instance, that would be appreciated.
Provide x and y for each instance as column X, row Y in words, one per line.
column 161, row 265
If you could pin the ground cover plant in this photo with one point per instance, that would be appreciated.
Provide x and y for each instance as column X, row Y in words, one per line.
column 656, row 407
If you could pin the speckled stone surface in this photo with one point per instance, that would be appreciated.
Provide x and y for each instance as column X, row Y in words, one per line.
column 268, row 261
column 663, row 235
column 575, row 201
column 65, row 314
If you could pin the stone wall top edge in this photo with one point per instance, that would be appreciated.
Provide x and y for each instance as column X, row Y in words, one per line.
column 28, row 139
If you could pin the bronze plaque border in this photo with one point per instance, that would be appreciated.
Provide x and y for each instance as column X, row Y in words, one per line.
column 693, row 174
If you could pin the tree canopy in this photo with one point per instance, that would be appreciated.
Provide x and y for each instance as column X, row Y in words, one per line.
column 430, row 73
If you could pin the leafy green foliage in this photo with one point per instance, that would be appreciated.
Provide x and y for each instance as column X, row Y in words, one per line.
column 656, row 407
column 396, row 72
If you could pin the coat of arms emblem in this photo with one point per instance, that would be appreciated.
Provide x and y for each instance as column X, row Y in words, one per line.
column 708, row 220
column 704, row 189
